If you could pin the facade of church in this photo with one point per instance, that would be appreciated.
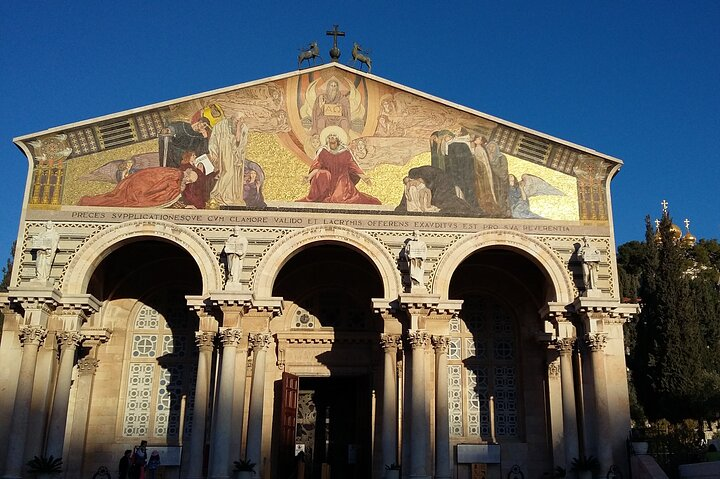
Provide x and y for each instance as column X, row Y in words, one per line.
column 322, row 267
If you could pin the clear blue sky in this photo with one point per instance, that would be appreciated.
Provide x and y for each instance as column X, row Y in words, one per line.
column 637, row 80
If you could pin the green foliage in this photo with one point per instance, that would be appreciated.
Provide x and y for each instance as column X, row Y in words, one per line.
column 245, row 465
column 7, row 270
column 672, row 341
column 40, row 464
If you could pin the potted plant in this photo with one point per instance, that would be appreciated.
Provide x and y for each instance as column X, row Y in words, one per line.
column 639, row 440
column 392, row 471
column 585, row 466
column 44, row 467
column 244, row 469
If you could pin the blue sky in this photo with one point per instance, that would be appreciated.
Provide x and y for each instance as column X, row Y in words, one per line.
column 637, row 80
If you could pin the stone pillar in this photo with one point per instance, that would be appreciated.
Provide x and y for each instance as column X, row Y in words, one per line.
column 389, row 343
column 554, row 392
column 87, row 367
column 222, row 429
column 565, row 347
column 68, row 342
column 259, row 343
column 418, row 340
column 31, row 338
column 596, row 344
column 442, row 420
column 205, row 344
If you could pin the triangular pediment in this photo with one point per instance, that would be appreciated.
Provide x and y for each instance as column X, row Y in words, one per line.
column 324, row 138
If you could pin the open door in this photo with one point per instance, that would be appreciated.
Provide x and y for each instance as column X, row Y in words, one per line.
column 288, row 417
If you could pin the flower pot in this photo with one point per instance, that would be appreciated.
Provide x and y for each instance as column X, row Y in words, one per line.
column 639, row 447
column 244, row 474
column 584, row 474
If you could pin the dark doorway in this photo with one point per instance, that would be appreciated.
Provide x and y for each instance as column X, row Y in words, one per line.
column 333, row 426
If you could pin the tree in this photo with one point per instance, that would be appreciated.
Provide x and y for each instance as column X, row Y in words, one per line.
column 7, row 270
column 670, row 340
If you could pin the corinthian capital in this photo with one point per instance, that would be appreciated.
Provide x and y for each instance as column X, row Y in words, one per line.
column 565, row 345
column 596, row 341
column 32, row 335
column 204, row 340
column 418, row 338
column 87, row 365
column 259, row 341
column 390, row 342
column 230, row 337
column 440, row 343
column 69, row 339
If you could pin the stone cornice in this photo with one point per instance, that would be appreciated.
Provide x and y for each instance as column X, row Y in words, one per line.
column 611, row 309
column 96, row 335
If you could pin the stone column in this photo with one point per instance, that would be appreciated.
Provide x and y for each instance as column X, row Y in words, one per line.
column 389, row 343
column 596, row 343
column 442, row 420
column 31, row 338
column 220, row 445
column 68, row 342
column 87, row 367
column 205, row 344
column 418, row 340
column 570, row 428
column 259, row 343
column 554, row 391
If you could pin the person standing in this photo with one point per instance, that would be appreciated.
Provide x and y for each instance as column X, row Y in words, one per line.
column 124, row 465
column 140, row 460
column 153, row 464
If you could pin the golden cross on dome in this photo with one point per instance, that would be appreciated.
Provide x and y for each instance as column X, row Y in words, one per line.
column 657, row 224
column 687, row 224
column 664, row 204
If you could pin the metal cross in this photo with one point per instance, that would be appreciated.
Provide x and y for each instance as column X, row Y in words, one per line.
column 657, row 224
column 687, row 224
column 335, row 33
column 664, row 204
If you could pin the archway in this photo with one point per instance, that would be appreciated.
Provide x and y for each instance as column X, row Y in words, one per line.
column 328, row 288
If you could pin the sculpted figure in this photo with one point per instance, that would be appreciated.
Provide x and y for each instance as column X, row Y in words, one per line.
column 416, row 252
column 590, row 259
column 235, row 248
column 45, row 245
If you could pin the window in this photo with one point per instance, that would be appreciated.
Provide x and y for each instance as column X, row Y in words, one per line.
column 482, row 363
column 162, row 369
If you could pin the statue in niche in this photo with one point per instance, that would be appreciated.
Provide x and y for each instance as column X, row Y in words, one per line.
column 45, row 245
column 416, row 251
column 589, row 257
column 235, row 248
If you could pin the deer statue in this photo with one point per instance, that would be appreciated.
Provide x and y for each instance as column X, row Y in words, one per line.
column 360, row 55
column 310, row 54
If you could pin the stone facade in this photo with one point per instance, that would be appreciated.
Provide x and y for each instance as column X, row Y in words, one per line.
column 497, row 355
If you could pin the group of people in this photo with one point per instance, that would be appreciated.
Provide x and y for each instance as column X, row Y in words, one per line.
column 135, row 464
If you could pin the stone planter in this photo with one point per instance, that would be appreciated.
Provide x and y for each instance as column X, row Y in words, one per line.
column 243, row 474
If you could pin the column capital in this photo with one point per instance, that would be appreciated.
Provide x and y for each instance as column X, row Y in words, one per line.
column 70, row 339
column 596, row 341
column 565, row 345
column 418, row 338
column 440, row 343
column 390, row 342
column 87, row 366
column 230, row 337
column 205, row 340
column 259, row 341
column 32, row 334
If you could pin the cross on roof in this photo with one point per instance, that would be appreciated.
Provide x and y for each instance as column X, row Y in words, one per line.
column 664, row 204
column 334, row 51
column 687, row 224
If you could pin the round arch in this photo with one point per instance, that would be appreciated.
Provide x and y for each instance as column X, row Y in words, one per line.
column 287, row 247
column 529, row 247
column 100, row 246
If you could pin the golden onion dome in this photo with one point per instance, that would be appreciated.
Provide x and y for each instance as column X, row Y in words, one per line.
column 675, row 231
column 688, row 239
